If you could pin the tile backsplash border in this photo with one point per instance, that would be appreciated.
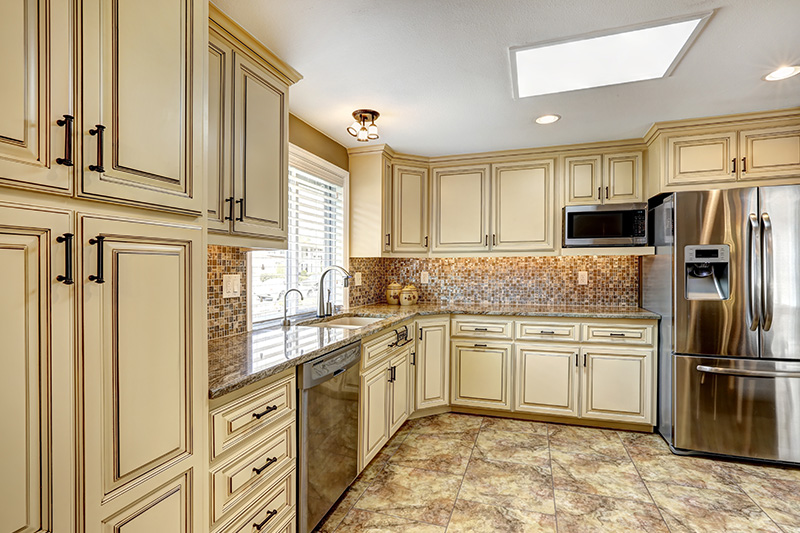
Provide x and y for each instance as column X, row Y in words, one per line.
column 226, row 316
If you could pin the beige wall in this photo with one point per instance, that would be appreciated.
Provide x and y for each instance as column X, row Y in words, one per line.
column 311, row 139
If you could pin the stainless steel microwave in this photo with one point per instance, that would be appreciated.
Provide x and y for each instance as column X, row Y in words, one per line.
column 605, row 225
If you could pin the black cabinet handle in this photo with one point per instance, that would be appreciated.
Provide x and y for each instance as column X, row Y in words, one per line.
column 420, row 333
column 271, row 460
column 229, row 201
column 744, row 165
column 66, row 279
column 494, row 239
column 598, row 192
column 388, row 239
column 240, row 203
column 270, row 514
column 99, row 131
column 394, row 374
column 576, row 360
column 99, row 242
column 543, row 332
column 584, row 359
column 733, row 162
column 486, row 240
column 414, row 358
column 481, row 329
column 426, row 241
column 67, row 159
column 265, row 412
column 479, row 345
column 606, row 193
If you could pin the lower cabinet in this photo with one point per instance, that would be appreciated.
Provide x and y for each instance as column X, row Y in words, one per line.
column 547, row 379
column 432, row 363
column 481, row 374
column 618, row 384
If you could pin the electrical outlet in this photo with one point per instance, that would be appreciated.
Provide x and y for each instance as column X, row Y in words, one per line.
column 231, row 285
column 424, row 278
column 357, row 279
column 583, row 278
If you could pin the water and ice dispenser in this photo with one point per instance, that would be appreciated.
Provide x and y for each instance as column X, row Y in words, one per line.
column 707, row 271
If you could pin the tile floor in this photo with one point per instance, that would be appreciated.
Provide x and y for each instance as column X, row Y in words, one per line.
column 455, row 472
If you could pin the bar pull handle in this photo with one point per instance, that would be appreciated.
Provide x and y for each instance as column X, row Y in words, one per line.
column 66, row 279
column 481, row 329
column 426, row 241
column 98, row 130
column 494, row 239
column 753, row 259
column 616, row 334
column 766, row 272
column 741, row 372
column 584, row 360
column 480, row 345
column 420, row 333
column 67, row 159
column 259, row 525
column 744, row 165
column 606, row 193
column 733, row 166
column 543, row 332
column 414, row 358
column 269, row 462
column 576, row 360
column 598, row 192
column 486, row 240
column 99, row 242
column 240, row 203
column 388, row 239
column 265, row 412
column 229, row 201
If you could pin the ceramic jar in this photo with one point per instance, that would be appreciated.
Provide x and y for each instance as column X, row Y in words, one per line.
column 409, row 295
column 393, row 293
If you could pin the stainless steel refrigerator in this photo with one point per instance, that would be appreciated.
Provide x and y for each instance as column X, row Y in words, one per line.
column 726, row 279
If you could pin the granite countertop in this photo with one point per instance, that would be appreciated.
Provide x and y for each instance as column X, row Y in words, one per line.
column 239, row 360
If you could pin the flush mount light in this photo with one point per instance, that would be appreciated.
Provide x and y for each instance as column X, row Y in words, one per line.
column 548, row 119
column 364, row 128
column 606, row 58
column 782, row 73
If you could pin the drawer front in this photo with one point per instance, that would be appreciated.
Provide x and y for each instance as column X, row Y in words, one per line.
column 627, row 334
column 374, row 351
column 480, row 328
column 270, row 510
column 543, row 330
column 242, row 475
column 238, row 420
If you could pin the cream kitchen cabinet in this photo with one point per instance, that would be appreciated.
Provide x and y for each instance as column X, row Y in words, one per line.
column 386, row 203
column 432, row 364
column 409, row 209
column 769, row 153
column 603, row 179
column 460, row 208
column 547, row 379
column 374, row 413
column 400, row 389
column 618, row 384
column 481, row 374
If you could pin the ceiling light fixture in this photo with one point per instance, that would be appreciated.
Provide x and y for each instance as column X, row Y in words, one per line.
column 362, row 131
column 548, row 119
column 782, row 73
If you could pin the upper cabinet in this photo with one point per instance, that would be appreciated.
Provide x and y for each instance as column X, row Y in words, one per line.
column 248, row 134
column 460, row 208
column 409, row 209
column 603, row 179
column 770, row 152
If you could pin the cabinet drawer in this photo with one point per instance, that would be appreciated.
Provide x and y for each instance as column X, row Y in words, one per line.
column 240, row 476
column 481, row 328
column 241, row 418
column 627, row 334
column 544, row 330
column 385, row 345
column 270, row 510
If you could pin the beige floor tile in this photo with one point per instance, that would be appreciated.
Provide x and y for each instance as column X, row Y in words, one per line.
column 779, row 498
column 696, row 472
column 597, row 474
column 473, row 517
column 518, row 426
column 513, row 447
column 420, row 495
column 578, row 513
column 512, row 485
column 574, row 439
column 789, row 529
column 463, row 426
column 742, row 470
column 340, row 510
column 644, row 443
column 358, row 521
column 434, row 452
column 692, row 509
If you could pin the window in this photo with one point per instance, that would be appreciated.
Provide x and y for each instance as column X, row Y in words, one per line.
column 317, row 230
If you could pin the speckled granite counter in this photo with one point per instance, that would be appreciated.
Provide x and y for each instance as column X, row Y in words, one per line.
column 239, row 360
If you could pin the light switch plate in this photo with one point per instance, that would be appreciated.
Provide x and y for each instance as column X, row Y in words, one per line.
column 231, row 285
column 424, row 277
column 357, row 279
column 583, row 278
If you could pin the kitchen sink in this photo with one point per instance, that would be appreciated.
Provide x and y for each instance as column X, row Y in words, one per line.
column 347, row 322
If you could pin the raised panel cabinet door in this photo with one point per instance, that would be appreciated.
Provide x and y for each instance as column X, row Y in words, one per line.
column 481, row 374
column 699, row 159
column 220, row 120
column 623, row 178
column 143, row 372
column 409, row 209
column 35, row 93
column 547, row 379
column 374, row 418
column 617, row 384
column 260, row 151
column 400, row 390
column 770, row 153
column 523, row 204
column 460, row 208
column 36, row 327
column 168, row 509
column 583, row 180
column 433, row 364
column 142, row 65
column 386, row 206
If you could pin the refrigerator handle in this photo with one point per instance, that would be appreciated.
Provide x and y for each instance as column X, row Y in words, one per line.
column 766, row 271
column 752, row 278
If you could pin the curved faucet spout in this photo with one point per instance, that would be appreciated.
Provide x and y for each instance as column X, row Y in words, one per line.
column 286, row 321
column 321, row 301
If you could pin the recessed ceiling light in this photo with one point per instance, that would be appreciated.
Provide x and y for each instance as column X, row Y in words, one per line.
column 547, row 119
column 608, row 58
column 782, row 73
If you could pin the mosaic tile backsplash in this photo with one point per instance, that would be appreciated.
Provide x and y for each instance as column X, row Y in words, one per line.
column 226, row 316
column 613, row 280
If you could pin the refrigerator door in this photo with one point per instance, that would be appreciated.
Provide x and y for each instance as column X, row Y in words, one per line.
column 741, row 407
column 780, row 246
column 725, row 327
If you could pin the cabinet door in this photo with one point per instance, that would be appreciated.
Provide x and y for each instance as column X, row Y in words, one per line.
column 623, row 178
column 144, row 377
column 143, row 81
column 220, row 120
column 409, row 209
column 698, row 159
column 386, row 206
column 260, row 151
column 547, row 379
column 433, row 364
column 36, row 326
column 481, row 374
column 583, row 180
column 770, row 153
column 35, row 89
column 374, row 420
column 617, row 384
column 460, row 209
column 400, row 390
column 523, row 206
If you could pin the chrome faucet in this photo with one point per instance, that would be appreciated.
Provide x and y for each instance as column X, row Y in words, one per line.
column 321, row 303
column 286, row 321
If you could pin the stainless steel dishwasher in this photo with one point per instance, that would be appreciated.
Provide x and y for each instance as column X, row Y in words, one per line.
column 328, row 432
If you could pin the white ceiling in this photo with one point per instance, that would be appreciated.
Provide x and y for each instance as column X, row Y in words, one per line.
column 438, row 71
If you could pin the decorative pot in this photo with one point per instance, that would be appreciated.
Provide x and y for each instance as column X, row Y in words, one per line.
column 409, row 295
column 393, row 293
